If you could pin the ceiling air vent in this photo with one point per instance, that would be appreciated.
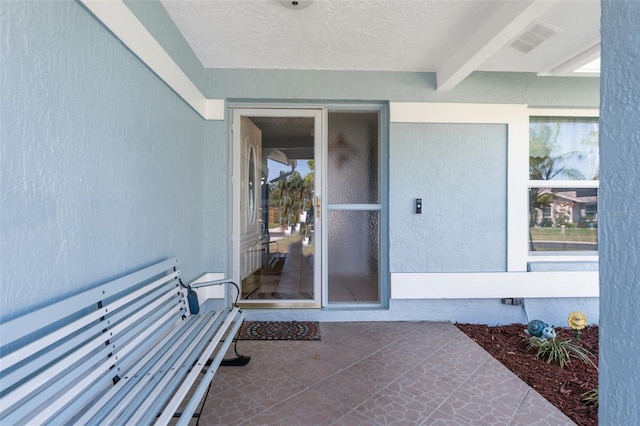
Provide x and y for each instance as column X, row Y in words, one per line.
column 533, row 36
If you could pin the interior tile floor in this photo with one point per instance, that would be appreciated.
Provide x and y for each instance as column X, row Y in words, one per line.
column 380, row 373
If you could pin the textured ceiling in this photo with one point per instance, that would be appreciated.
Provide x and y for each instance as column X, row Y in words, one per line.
column 336, row 34
column 387, row 35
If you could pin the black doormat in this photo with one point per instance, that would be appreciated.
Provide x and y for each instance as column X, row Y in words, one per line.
column 279, row 330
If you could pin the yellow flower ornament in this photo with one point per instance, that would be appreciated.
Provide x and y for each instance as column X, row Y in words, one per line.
column 577, row 320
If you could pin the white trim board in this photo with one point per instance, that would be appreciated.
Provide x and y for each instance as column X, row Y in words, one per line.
column 564, row 112
column 504, row 24
column 467, row 113
column 484, row 285
column 118, row 18
column 564, row 184
column 210, row 292
column 516, row 118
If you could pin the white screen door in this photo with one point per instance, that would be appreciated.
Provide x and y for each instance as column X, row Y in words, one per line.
column 276, row 229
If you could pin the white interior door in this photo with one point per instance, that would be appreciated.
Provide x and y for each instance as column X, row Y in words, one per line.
column 250, row 198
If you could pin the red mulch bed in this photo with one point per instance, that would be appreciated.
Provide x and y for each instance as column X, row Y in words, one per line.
column 561, row 387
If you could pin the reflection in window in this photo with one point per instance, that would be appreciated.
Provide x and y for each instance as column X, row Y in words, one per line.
column 563, row 219
column 251, row 186
column 563, row 148
column 563, row 214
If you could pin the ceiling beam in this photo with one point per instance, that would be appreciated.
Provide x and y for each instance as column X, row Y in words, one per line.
column 586, row 53
column 505, row 24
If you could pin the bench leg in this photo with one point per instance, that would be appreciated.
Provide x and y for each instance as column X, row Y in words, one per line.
column 239, row 361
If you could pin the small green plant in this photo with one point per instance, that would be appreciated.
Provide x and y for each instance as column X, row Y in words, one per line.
column 590, row 397
column 557, row 350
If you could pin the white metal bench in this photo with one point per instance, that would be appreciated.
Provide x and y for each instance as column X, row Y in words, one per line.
column 125, row 352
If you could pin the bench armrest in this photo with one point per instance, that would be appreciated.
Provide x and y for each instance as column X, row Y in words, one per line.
column 214, row 282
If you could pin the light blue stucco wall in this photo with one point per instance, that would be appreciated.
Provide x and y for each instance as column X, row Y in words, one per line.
column 619, row 228
column 215, row 231
column 460, row 172
column 102, row 165
column 119, row 146
column 479, row 87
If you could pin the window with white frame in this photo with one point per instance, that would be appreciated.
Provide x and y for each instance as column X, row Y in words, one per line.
column 563, row 185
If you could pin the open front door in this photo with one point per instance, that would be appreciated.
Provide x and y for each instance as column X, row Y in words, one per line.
column 251, row 226
column 276, row 232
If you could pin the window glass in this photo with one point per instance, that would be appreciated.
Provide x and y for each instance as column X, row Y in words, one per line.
column 563, row 215
column 251, row 186
column 353, row 158
column 354, row 256
column 563, row 148
column 563, row 219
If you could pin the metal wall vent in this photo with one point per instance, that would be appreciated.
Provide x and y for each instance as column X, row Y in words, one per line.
column 533, row 36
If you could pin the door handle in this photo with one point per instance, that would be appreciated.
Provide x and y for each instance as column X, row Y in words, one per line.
column 318, row 207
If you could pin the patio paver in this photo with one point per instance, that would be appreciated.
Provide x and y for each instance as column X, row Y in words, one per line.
column 417, row 373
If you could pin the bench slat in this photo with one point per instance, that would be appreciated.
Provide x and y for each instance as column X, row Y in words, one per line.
column 106, row 404
column 72, row 382
column 26, row 324
column 134, row 313
column 9, row 380
column 167, row 378
column 166, row 326
column 89, row 344
column 18, row 355
column 180, row 394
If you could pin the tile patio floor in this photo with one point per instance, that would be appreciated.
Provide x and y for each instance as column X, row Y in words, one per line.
column 403, row 373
